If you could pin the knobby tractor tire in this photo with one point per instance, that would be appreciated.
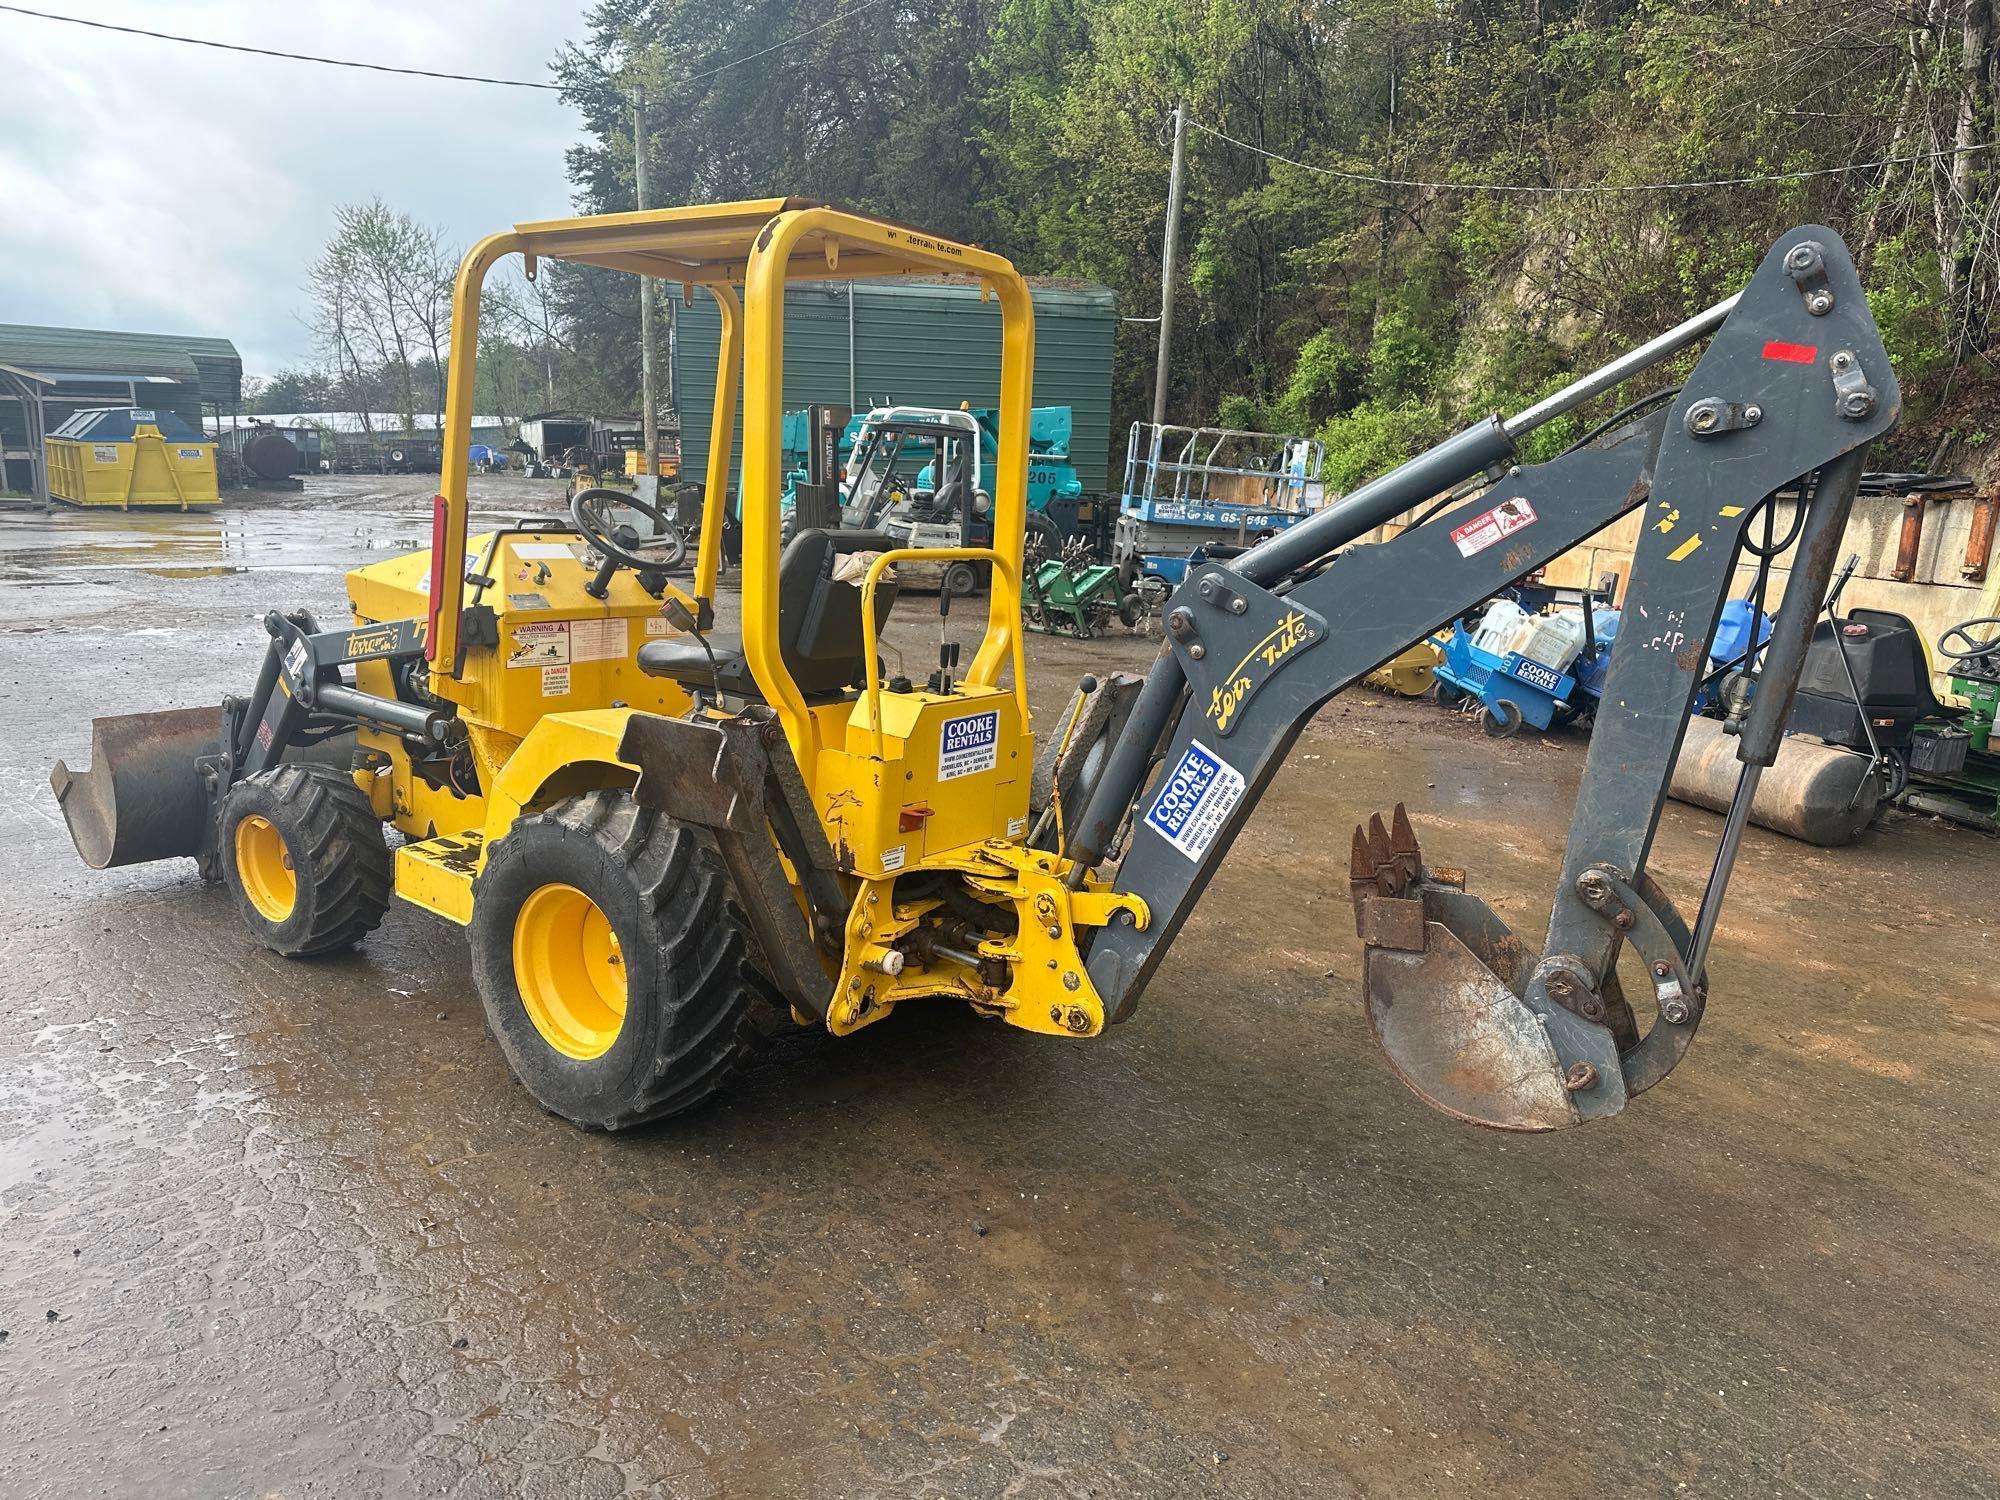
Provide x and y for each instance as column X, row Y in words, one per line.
column 662, row 1005
column 302, row 852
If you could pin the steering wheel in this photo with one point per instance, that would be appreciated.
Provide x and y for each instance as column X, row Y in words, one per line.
column 619, row 542
column 1975, row 648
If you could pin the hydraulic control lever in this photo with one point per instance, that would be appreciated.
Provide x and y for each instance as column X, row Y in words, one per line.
column 1794, row 383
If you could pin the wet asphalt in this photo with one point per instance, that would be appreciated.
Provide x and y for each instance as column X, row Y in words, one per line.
column 289, row 1229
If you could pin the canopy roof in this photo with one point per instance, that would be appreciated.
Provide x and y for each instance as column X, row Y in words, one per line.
column 711, row 242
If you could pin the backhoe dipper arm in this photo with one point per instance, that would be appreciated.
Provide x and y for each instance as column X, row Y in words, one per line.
column 1794, row 382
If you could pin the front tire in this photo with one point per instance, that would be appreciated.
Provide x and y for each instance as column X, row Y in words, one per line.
column 613, row 970
column 303, row 854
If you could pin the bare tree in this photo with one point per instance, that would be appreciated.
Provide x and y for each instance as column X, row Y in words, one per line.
column 382, row 305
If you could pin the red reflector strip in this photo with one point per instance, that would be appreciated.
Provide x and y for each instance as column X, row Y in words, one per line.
column 438, row 510
column 1797, row 354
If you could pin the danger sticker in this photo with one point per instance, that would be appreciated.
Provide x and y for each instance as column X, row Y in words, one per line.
column 969, row 744
column 1196, row 800
column 892, row 859
column 555, row 682
column 1483, row 530
column 540, row 644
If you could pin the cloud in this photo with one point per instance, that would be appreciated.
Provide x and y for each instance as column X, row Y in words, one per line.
column 164, row 188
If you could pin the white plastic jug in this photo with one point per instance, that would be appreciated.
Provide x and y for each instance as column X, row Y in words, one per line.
column 1555, row 640
column 1503, row 625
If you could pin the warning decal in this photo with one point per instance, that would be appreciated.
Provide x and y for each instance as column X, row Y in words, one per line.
column 597, row 640
column 1483, row 530
column 968, row 744
column 555, row 681
column 540, row 644
column 1196, row 800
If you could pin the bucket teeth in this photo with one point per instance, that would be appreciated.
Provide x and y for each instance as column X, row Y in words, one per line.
column 1387, row 875
column 1384, row 873
column 1403, row 843
column 1361, row 869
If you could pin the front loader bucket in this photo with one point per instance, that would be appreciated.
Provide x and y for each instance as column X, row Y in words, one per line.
column 1439, row 977
column 142, row 796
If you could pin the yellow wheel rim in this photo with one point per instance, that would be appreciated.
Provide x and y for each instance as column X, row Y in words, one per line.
column 570, row 971
column 264, row 865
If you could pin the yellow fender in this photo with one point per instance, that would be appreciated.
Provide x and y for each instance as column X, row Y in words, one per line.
column 563, row 755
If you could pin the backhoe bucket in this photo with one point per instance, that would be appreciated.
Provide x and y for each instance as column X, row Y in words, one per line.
column 142, row 796
column 1440, row 973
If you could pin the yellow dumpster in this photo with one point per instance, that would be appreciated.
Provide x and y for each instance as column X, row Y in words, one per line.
column 132, row 458
column 635, row 464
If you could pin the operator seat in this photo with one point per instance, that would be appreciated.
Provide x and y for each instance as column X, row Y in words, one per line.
column 819, row 626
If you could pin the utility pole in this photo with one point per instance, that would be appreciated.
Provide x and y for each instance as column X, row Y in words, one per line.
column 1169, row 262
column 649, row 412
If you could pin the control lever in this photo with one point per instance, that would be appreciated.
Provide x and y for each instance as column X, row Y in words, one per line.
column 941, row 680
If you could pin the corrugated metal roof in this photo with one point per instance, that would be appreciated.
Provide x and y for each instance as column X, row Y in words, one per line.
column 211, row 365
column 381, row 423
column 925, row 342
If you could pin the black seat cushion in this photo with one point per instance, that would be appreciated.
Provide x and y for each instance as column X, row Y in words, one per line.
column 819, row 625
column 682, row 659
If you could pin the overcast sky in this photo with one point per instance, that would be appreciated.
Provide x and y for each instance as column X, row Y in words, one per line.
column 157, row 187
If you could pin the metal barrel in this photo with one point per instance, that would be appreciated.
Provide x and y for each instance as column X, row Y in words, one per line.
column 270, row 455
column 141, row 798
column 1814, row 792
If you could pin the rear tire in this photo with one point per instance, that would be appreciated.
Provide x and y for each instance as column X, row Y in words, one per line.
column 303, row 854
column 613, row 969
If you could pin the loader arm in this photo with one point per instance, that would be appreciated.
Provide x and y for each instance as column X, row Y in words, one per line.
column 1793, row 386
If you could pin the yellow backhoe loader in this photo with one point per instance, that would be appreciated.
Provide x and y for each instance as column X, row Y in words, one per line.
column 663, row 838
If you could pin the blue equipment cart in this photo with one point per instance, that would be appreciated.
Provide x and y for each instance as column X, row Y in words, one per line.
column 1513, row 690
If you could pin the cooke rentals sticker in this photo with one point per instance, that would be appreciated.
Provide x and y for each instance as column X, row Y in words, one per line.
column 1196, row 800
column 1492, row 526
column 969, row 744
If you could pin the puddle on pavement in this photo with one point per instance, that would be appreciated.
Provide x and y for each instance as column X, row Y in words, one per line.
column 209, row 545
column 40, row 548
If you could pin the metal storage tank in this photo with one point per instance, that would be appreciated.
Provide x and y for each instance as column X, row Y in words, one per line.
column 920, row 343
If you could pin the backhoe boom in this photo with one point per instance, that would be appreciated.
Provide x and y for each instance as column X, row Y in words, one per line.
column 1793, row 383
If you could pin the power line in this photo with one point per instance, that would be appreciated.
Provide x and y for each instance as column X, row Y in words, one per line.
column 1631, row 187
column 777, row 46
column 349, row 62
column 331, row 62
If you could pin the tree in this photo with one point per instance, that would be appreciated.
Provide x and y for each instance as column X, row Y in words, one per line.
column 382, row 306
column 1399, row 213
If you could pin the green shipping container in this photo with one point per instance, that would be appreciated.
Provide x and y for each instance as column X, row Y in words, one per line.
column 917, row 343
